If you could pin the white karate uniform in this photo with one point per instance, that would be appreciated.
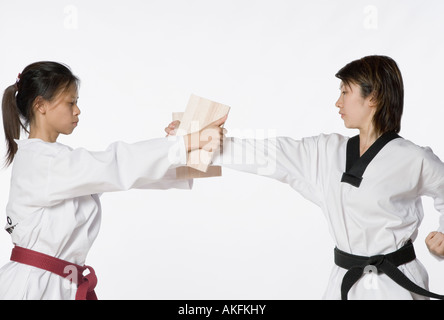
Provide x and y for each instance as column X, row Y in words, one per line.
column 54, row 205
column 378, row 217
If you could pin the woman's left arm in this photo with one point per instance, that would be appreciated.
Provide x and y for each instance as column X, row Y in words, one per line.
column 432, row 184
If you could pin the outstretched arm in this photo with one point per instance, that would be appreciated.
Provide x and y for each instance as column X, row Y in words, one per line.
column 123, row 166
column 295, row 162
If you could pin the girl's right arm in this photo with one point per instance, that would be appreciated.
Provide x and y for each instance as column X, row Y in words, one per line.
column 120, row 167
column 125, row 166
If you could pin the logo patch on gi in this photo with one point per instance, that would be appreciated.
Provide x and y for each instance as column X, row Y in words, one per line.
column 10, row 229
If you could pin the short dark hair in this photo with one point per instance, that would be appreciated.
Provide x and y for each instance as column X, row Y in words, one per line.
column 44, row 79
column 378, row 76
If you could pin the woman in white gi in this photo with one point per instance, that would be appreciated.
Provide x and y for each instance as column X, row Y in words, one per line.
column 369, row 186
column 54, row 213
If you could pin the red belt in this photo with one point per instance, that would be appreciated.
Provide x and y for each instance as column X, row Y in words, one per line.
column 65, row 269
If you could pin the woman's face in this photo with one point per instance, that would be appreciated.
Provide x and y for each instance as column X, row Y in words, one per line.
column 62, row 114
column 356, row 111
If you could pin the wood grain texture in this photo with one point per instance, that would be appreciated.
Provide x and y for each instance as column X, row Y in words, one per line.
column 199, row 113
column 191, row 173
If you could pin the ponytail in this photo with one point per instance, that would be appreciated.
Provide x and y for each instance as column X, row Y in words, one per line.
column 11, row 122
column 43, row 79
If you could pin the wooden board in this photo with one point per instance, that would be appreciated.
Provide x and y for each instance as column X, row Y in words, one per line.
column 199, row 113
column 190, row 173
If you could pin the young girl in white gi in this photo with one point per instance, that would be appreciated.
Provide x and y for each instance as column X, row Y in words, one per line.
column 369, row 186
column 54, row 213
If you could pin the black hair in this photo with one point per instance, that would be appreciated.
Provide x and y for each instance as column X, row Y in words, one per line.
column 378, row 76
column 44, row 79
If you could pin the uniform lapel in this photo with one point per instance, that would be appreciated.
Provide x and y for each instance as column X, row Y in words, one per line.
column 355, row 164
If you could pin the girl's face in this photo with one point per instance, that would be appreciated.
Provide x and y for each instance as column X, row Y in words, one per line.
column 62, row 113
column 356, row 111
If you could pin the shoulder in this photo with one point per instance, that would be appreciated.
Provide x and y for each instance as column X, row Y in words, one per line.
column 322, row 143
column 322, row 138
column 31, row 168
column 328, row 141
column 417, row 158
column 37, row 145
column 407, row 148
column 332, row 138
column 33, row 150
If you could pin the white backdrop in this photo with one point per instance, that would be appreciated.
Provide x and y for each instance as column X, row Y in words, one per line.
column 239, row 236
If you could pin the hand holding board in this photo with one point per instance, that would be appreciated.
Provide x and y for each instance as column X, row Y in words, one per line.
column 199, row 113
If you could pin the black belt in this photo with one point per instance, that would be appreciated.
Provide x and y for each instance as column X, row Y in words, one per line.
column 388, row 264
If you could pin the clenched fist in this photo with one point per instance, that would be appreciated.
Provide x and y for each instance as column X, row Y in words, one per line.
column 435, row 243
column 208, row 139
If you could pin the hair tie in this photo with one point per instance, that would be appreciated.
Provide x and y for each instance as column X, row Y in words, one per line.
column 17, row 81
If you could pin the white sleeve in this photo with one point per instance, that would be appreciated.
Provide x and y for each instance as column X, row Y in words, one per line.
column 432, row 182
column 294, row 162
column 121, row 166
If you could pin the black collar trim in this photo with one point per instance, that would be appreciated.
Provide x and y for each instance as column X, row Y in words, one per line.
column 356, row 165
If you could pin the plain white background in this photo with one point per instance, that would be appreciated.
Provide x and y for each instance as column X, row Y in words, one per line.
column 239, row 236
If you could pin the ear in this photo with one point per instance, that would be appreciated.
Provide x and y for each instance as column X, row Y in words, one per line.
column 40, row 105
column 372, row 100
